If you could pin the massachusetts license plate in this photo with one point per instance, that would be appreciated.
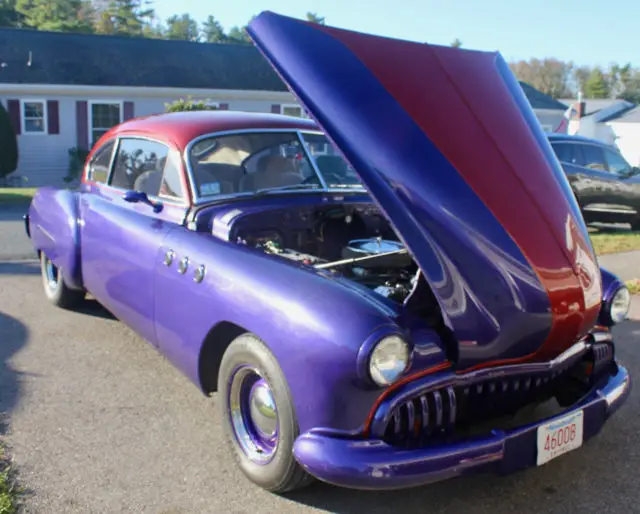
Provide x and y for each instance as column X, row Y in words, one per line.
column 560, row 436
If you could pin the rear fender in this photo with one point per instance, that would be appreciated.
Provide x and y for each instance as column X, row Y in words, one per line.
column 54, row 230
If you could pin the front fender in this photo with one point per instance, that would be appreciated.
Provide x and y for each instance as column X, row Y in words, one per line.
column 315, row 327
column 54, row 230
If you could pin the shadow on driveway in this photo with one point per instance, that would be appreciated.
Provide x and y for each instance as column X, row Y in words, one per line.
column 13, row 336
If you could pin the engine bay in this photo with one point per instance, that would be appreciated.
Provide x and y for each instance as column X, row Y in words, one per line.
column 354, row 241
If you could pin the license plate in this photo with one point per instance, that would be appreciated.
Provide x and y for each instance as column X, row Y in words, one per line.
column 560, row 436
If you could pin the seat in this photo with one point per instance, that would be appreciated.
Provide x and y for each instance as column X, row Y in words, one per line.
column 271, row 171
column 149, row 181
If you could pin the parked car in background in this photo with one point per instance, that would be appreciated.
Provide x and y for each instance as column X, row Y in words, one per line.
column 375, row 315
column 606, row 186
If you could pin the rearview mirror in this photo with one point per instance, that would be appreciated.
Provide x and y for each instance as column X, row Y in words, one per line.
column 140, row 196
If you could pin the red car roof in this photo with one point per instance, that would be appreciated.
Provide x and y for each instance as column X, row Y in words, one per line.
column 182, row 127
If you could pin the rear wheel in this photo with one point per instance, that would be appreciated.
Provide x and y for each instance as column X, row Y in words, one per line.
column 635, row 223
column 258, row 416
column 55, row 289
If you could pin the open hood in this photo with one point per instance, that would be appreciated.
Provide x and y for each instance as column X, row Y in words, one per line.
column 448, row 146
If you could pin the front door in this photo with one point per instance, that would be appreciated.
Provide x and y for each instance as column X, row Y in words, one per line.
column 120, row 241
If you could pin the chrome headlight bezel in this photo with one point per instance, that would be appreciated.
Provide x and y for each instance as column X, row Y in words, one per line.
column 616, row 308
column 388, row 360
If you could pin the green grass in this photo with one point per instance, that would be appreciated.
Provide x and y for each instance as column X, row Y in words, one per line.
column 634, row 285
column 8, row 492
column 16, row 195
column 614, row 242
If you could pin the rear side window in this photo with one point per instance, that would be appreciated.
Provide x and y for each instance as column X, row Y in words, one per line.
column 100, row 163
column 593, row 157
column 567, row 152
column 139, row 165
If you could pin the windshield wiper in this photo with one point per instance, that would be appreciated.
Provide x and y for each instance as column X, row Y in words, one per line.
column 284, row 188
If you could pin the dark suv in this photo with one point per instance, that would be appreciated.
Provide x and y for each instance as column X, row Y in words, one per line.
column 606, row 185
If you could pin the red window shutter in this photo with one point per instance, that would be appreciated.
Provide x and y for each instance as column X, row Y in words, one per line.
column 82, row 125
column 53, row 117
column 223, row 107
column 128, row 109
column 275, row 108
column 13, row 107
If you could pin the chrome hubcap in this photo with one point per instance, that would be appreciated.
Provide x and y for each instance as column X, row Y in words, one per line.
column 52, row 275
column 262, row 408
column 253, row 414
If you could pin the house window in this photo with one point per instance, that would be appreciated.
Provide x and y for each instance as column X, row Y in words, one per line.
column 293, row 110
column 102, row 117
column 34, row 116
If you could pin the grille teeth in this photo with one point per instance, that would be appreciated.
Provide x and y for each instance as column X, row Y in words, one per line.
column 441, row 411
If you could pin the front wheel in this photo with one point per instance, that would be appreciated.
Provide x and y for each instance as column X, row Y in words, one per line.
column 258, row 416
column 54, row 287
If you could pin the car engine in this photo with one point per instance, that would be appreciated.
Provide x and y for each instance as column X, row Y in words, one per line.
column 384, row 266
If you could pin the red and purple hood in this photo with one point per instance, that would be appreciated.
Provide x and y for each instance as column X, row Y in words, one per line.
column 448, row 146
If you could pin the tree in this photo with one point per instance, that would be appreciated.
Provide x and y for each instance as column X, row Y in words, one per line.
column 56, row 15
column 124, row 17
column 212, row 31
column 314, row 18
column 182, row 27
column 597, row 85
column 183, row 105
column 549, row 75
column 9, row 17
column 8, row 144
column 456, row 43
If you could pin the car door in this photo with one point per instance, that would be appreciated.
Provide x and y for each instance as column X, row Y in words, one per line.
column 627, row 186
column 580, row 178
column 121, row 240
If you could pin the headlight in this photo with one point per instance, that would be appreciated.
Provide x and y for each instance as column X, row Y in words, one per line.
column 619, row 306
column 389, row 359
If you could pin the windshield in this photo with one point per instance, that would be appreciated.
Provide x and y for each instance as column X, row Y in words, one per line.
column 263, row 161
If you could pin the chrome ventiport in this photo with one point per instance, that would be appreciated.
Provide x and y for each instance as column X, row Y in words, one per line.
column 183, row 265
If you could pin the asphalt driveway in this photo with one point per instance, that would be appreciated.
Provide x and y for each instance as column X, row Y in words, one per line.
column 99, row 422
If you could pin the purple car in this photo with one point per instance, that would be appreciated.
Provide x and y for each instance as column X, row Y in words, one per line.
column 398, row 291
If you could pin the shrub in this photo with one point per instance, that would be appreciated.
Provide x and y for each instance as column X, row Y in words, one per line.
column 189, row 105
column 77, row 159
column 8, row 144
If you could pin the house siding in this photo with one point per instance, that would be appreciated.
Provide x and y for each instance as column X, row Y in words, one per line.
column 44, row 160
column 626, row 138
column 549, row 120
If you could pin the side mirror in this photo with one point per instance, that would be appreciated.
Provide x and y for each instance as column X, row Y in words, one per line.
column 140, row 196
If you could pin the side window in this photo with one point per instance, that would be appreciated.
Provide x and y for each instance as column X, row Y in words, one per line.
column 100, row 162
column 566, row 152
column 593, row 157
column 139, row 165
column 616, row 163
column 171, row 186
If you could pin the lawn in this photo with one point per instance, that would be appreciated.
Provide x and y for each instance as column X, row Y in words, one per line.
column 8, row 492
column 613, row 242
column 634, row 286
column 16, row 195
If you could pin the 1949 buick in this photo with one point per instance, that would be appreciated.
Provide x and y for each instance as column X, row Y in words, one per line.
column 397, row 291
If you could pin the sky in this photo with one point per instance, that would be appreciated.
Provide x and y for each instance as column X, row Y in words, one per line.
column 587, row 32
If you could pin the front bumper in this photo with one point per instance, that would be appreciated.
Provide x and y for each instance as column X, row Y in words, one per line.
column 374, row 464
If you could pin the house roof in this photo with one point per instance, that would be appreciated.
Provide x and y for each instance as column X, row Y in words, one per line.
column 95, row 60
column 629, row 116
column 64, row 58
column 539, row 100
column 593, row 105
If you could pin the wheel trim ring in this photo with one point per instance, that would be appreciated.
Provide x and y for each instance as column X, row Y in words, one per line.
column 260, row 448
column 51, row 274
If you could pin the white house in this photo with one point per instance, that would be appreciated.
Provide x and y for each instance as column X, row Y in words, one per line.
column 612, row 121
column 64, row 90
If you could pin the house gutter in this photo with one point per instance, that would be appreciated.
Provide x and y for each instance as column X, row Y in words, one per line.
column 145, row 92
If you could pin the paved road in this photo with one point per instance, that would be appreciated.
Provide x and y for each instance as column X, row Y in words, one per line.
column 100, row 422
column 14, row 244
